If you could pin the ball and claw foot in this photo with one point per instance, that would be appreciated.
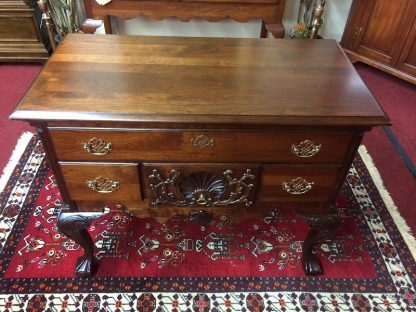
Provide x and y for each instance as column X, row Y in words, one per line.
column 321, row 226
column 86, row 266
column 311, row 264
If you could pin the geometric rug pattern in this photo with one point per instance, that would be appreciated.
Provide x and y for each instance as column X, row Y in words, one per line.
column 368, row 266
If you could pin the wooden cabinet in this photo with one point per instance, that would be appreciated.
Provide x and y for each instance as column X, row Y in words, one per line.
column 199, row 126
column 382, row 33
column 407, row 59
column 20, row 38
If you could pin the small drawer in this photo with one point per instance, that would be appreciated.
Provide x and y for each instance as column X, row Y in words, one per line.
column 102, row 182
column 298, row 183
column 201, row 146
column 200, row 185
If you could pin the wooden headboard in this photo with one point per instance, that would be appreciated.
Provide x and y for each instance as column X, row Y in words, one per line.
column 269, row 11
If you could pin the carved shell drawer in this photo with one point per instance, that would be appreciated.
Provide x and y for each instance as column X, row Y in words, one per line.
column 201, row 185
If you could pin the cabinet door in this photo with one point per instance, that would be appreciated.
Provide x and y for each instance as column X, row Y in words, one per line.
column 383, row 30
column 407, row 61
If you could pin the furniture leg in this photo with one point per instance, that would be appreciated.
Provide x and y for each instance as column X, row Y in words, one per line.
column 320, row 227
column 277, row 30
column 263, row 30
column 74, row 225
column 107, row 25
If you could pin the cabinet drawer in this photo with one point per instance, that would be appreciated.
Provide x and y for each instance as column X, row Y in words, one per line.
column 102, row 182
column 202, row 146
column 200, row 185
column 298, row 183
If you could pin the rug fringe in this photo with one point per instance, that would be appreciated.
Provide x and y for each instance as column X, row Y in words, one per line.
column 20, row 147
column 400, row 222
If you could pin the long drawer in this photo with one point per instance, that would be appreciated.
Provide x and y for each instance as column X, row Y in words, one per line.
column 201, row 146
column 106, row 182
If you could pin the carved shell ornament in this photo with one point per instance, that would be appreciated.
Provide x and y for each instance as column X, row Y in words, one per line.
column 202, row 188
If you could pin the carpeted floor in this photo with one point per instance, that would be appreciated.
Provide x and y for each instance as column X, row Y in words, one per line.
column 398, row 99
column 15, row 79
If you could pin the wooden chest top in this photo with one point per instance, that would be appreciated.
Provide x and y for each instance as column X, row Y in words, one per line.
column 208, row 80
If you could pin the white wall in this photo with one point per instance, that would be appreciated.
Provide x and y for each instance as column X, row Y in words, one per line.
column 335, row 16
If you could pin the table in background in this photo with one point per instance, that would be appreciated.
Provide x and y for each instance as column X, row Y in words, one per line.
column 269, row 11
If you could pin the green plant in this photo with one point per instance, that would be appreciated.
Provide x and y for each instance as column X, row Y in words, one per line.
column 68, row 15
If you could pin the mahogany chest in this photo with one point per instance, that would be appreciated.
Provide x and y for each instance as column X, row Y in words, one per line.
column 167, row 125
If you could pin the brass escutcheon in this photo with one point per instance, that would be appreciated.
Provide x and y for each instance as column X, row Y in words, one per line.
column 97, row 146
column 306, row 149
column 202, row 141
column 103, row 184
column 297, row 186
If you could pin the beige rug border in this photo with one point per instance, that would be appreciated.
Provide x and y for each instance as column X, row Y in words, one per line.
column 20, row 147
column 400, row 222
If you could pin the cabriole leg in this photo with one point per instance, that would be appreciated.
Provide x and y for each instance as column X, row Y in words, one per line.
column 320, row 227
column 74, row 225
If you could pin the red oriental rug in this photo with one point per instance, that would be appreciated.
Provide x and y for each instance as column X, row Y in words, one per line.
column 179, row 266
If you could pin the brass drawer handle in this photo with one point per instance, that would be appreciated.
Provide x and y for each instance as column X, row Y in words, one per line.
column 306, row 149
column 103, row 184
column 202, row 141
column 97, row 146
column 297, row 186
column 202, row 200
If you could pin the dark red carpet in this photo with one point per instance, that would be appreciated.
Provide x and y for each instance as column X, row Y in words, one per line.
column 398, row 99
column 145, row 247
column 15, row 79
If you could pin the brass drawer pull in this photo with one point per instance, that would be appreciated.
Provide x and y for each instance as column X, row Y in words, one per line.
column 297, row 186
column 202, row 141
column 103, row 184
column 305, row 149
column 97, row 146
column 202, row 200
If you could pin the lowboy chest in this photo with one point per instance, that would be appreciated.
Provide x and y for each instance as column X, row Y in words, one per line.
column 198, row 126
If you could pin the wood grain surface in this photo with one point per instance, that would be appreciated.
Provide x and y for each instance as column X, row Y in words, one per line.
column 212, row 80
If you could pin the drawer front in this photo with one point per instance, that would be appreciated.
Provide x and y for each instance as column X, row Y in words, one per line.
column 18, row 26
column 197, row 146
column 102, row 182
column 194, row 185
column 298, row 183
